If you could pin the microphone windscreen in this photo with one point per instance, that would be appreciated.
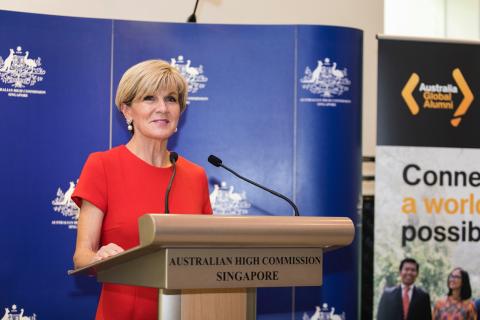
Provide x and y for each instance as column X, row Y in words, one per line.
column 217, row 162
column 173, row 157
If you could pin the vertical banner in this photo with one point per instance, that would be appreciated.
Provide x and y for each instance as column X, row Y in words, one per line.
column 427, row 199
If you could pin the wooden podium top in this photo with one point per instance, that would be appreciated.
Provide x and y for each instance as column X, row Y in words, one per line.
column 160, row 231
column 185, row 230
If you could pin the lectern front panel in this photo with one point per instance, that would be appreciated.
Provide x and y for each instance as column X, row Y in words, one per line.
column 188, row 268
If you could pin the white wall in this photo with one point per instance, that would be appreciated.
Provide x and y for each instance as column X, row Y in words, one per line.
column 458, row 19
column 463, row 19
column 366, row 15
column 421, row 18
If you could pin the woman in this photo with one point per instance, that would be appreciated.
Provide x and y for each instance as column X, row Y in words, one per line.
column 117, row 186
column 457, row 304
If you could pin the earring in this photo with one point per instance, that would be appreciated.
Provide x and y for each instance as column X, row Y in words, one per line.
column 129, row 125
column 176, row 129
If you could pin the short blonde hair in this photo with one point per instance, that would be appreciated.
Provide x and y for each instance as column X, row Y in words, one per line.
column 146, row 78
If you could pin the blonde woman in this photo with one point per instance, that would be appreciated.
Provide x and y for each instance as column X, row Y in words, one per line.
column 117, row 186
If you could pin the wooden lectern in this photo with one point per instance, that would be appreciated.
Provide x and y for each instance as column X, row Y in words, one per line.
column 208, row 267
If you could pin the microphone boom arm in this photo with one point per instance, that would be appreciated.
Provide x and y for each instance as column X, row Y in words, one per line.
column 264, row 188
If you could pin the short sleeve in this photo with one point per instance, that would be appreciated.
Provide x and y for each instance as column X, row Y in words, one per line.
column 92, row 184
column 207, row 207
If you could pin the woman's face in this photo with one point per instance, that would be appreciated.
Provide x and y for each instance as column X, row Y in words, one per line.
column 455, row 280
column 156, row 116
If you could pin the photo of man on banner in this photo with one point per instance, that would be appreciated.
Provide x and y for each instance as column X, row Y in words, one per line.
column 405, row 301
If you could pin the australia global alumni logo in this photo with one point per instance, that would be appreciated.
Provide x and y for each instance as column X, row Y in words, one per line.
column 439, row 96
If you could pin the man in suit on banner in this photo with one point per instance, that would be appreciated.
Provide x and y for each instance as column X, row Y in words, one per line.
column 405, row 301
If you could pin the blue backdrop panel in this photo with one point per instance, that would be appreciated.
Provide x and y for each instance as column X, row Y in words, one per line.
column 328, row 157
column 248, row 118
column 262, row 102
column 46, row 138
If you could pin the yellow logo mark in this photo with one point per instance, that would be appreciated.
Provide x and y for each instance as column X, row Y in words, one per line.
column 407, row 93
column 413, row 81
column 467, row 97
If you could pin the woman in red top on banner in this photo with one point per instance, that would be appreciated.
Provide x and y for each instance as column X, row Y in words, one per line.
column 118, row 186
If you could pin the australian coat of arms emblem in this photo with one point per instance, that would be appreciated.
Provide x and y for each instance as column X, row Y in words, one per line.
column 326, row 79
column 227, row 202
column 324, row 313
column 19, row 69
column 64, row 204
column 194, row 75
column 14, row 314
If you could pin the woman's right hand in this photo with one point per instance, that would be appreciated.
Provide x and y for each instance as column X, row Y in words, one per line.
column 107, row 251
column 89, row 229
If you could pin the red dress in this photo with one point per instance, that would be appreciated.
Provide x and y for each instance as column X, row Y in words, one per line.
column 125, row 187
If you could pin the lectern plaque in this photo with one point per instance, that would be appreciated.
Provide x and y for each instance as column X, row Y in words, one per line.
column 242, row 267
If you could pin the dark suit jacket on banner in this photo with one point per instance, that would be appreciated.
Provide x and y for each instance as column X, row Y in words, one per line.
column 390, row 306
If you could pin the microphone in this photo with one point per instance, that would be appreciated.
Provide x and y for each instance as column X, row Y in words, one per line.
column 217, row 162
column 173, row 160
column 193, row 18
